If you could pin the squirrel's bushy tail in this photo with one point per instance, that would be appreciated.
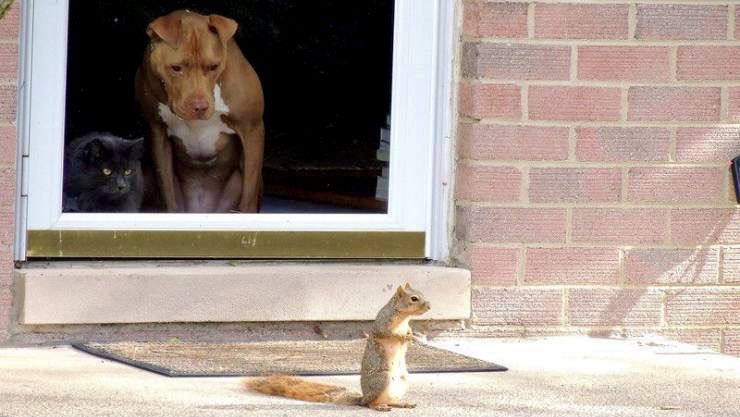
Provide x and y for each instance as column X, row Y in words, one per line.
column 300, row 389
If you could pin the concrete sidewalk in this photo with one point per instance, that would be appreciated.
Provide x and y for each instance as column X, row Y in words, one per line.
column 564, row 376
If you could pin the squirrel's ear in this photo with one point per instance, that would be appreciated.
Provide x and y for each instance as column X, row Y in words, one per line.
column 407, row 286
column 400, row 291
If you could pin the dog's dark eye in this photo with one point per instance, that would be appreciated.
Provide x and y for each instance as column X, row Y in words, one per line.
column 213, row 67
column 414, row 299
column 176, row 68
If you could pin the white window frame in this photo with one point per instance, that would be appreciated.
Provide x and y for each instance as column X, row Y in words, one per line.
column 420, row 137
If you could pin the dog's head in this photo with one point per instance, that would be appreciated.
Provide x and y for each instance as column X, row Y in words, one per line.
column 188, row 54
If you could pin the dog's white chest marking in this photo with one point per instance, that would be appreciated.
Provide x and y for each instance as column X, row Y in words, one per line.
column 198, row 136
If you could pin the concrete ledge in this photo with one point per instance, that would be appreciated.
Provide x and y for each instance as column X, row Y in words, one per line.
column 145, row 292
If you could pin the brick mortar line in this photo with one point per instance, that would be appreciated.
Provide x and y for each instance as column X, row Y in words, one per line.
column 670, row 327
column 724, row 103
column 605, row 83
column 592, row 123
column 521, row 265
column 720, row 270
column 572, row 144
column 604, row 123
column 9, row 41
column 600, row 42
column 571, row 286
column 624, row 189
column 631, row 21
column 588, row 164
column 621, row 274
column 663, row 308
column 568, row 225
column 8, row 82
column 728, row 185
column 543, row 331
column 573, row 73
column 10, row 165
column 457, row 48
column 604, row 246
column 525, row 101
column 668, row 229
column 731, row 21
column 524, row 187
column 613, row 2
column 7, row 124
column 599, row 245
column 516, row 120
column 456, row 68
column 672, row 144
column 565, row 305
column 624, row 104
column 673, row 63
column 530, row 20
column 587, row 205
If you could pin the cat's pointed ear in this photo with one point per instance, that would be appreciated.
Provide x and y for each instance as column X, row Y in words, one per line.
column 93, row 150
column 137, row 149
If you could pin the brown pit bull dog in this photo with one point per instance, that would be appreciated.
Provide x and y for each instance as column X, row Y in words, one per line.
column 204, row 104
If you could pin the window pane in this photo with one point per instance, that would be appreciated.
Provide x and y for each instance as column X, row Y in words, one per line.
column 325, row 68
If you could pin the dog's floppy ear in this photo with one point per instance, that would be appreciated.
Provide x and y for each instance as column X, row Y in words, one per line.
column 166, row 28
column 224, row 27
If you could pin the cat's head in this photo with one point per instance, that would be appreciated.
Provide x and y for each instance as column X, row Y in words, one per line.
column 107, row 164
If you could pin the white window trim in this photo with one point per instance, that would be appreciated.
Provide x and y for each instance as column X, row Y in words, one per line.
column 420, row 142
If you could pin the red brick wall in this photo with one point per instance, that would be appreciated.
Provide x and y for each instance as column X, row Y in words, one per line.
column 593, row 190
column 8, row 81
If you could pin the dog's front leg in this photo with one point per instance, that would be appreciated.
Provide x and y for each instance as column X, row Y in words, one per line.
column 164, row 165
column 252, row 136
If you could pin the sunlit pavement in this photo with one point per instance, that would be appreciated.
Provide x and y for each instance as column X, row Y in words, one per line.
column 561, row 376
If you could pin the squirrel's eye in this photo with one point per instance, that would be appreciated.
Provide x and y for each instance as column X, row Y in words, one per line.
column 107, row 171
column 414, row 299
column 176, row 68
column 127, row 172
column 213, row 67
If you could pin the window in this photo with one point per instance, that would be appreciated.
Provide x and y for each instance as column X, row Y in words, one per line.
column 412, row 226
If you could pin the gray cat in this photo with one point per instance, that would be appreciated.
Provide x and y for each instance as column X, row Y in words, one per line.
column 102, row 173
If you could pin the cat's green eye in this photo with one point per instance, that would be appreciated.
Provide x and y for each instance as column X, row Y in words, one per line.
column 107, row 171
column 127, row 172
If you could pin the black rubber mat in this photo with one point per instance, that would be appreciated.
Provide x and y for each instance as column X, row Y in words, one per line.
column 322, row 357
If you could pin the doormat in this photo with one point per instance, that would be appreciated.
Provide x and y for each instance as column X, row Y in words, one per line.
column 314, row 357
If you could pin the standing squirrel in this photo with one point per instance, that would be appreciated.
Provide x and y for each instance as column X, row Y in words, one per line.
column 384, row 378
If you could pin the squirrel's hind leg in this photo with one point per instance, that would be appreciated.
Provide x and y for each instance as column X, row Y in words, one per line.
column 379, row 407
